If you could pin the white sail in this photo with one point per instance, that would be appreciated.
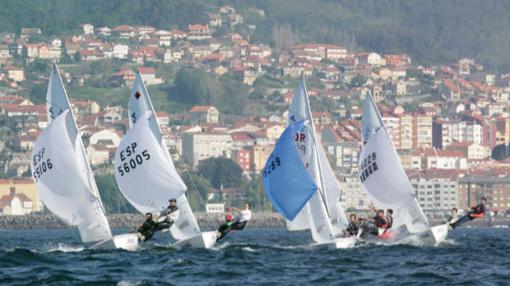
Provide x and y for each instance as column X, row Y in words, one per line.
column 325, row 217
column 383, row 176
column 332, row 193
column 61, row 179
column 160, row 180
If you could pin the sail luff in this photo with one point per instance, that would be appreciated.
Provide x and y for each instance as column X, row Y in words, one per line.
column 50, row 100
column 314, row 135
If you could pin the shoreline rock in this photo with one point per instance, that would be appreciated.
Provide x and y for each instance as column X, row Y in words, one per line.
column 206, row 221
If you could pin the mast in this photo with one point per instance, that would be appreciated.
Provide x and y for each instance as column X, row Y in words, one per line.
column 321, row 177
column 90, row 176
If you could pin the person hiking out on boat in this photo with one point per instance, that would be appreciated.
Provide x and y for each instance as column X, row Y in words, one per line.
column 454, row 217
column 477, row 211
column 146, row 230
column 354, row 225
column 389, row 218
column 168, row 216
column 242, row 217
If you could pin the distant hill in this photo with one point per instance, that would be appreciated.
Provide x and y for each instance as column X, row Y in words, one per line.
column 430, row 31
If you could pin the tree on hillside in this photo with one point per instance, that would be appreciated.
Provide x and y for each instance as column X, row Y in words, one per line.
column 221, row 172
column 113, row 200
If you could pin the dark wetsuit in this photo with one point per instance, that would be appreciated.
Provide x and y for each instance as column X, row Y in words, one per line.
column 224, row 229
column 476, row 212
column 147, row 229
column 389, row 221
column 353, row 228
column 167, row 223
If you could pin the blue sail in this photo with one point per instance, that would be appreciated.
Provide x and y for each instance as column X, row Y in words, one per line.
column 286, row 180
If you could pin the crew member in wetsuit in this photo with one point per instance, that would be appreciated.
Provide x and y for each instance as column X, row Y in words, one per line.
column 477, row 211
column 168, row 216
column 146, row 230
column 453, row 218
column 389, row 218
column 379, row 222
column 353, row 227
column 243, row 216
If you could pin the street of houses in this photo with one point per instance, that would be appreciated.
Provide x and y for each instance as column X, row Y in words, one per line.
column 450, row 123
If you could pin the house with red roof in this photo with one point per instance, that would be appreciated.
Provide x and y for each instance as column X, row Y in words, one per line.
column 148, row 75
column 199, row 32
column 15, row 204
column 204, row 114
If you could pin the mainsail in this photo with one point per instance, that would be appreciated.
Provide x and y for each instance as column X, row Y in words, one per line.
column 286, row 180
column 61, row 171
column 323, row 214
column 144, row 169
column 382, row 174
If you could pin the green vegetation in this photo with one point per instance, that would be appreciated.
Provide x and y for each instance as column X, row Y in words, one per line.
column 112, row 199
column 221, row 172
column 430, row 31
column 196, row 86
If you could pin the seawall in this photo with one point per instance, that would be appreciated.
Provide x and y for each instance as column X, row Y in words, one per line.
column 128, row 220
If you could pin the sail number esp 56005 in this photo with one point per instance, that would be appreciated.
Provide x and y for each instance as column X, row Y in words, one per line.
column 130, row 159
column 41, row 164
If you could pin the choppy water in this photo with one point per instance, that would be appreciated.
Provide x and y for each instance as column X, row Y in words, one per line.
column 255, row 256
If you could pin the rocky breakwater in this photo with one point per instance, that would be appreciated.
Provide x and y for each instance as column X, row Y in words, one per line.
column 129, row 220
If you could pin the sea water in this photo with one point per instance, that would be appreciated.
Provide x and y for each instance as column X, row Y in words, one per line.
column 476, row 256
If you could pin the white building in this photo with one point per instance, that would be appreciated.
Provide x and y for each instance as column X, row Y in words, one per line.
column 15, row 204
column 120, row 51
column 88, row 29
column 215, row 208
column 200, row 146
column 354, row 196
column 436, row 192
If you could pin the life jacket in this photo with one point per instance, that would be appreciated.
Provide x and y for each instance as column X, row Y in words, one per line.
column 478, row 211
column 228, row 217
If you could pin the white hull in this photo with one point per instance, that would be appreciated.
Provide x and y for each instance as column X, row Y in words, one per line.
column 205, row 240
column 128, row 241
column 439, row 232
column 339, row 243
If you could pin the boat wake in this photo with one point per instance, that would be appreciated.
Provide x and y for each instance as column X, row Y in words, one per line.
column 62, row 247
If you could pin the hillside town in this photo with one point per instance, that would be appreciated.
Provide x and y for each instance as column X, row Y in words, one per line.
column 450, row 123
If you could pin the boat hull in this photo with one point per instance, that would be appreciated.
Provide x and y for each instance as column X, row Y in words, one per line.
column 439, row 232
column 205, row 240
column 339, row 243
column 127, row 241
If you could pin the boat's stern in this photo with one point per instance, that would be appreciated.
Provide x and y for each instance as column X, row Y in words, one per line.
column 128, row 241
column 205, row 240
column 439, row 232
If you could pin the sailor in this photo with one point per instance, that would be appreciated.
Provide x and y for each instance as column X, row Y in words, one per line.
column 146, row 230
column 389, row 218
column 353, row 227
column 380, row 221
column 454, row 217
column 242, row 217
column 477, row 211
column 168, row 216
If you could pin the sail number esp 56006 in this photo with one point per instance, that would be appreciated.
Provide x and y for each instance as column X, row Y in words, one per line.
column 130, row 159
column 41, row 164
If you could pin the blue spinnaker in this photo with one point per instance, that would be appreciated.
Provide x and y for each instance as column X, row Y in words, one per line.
column 286, row 180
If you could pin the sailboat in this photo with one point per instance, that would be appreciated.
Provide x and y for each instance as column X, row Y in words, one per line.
column 63, row 177
column 385, row 180
column 322, row 214
column 146, row 174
